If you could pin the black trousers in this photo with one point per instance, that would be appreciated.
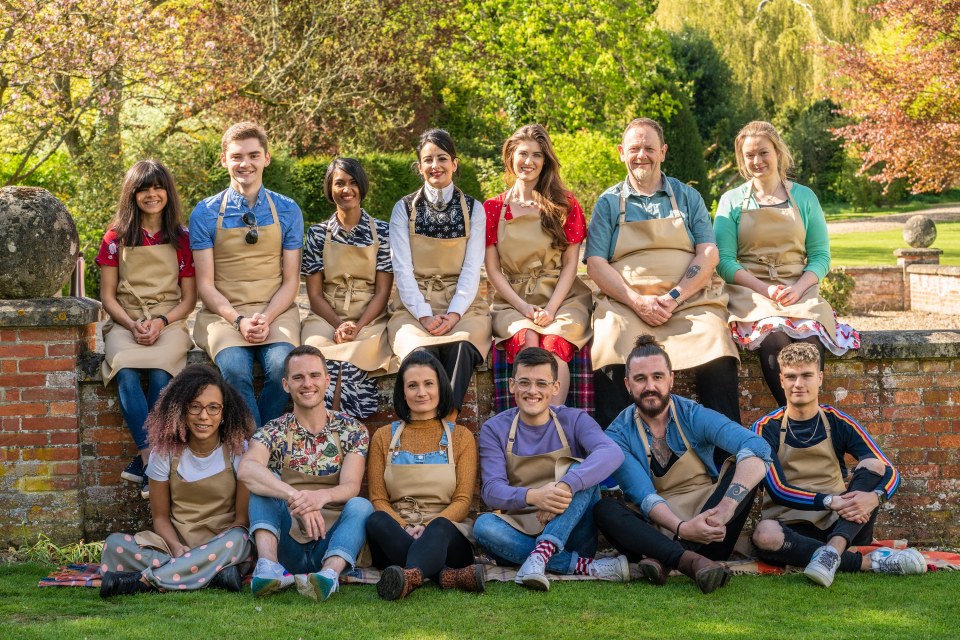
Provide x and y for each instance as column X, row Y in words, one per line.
column 441, row 545
column 716, row 384
column 635, row 537
column 801, row 539
column 770, row 348
column 459, row 359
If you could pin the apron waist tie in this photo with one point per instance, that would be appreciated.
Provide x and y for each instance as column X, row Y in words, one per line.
column 409, row 510
column 436, row 281
column 533, row 278
column 125, row 285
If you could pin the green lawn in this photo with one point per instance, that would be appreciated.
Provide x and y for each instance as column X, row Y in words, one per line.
column 836, row 212
column 862, row 606
column 876, row 248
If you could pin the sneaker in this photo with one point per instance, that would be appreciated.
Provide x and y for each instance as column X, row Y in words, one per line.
column 269, row 577
column 134, row 471
column 122, row 583
column 823, row 565
column 904, row 562
column 145, row 488
column 228, row 579
column 316, row 586
column 615, row 569
column 533, row 573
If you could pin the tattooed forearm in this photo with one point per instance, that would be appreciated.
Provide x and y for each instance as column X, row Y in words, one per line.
column 736, row 492
column 692, row 272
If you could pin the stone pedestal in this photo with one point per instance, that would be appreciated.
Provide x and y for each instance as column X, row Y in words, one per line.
column 907, row 257
column 40, row 477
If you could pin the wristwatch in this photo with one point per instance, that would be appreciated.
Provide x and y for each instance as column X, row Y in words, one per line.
column 675, row 294
column 881, row 495
column 828, row 501
column 236, row 323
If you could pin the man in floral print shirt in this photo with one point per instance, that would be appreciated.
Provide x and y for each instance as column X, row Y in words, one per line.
column 301, row 467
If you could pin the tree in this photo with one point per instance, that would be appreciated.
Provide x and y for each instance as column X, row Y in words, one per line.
column 903, row 92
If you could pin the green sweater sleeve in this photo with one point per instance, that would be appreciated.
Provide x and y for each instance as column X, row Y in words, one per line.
column 818, row 239
column 726, row 225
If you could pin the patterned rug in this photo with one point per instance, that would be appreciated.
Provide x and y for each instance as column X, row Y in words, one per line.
column 88, row 575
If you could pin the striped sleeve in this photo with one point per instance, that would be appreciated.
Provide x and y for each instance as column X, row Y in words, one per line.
column 779, row 490
column 857, row 442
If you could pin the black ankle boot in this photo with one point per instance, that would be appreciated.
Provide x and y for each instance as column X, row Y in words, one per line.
column 229, row 579
column 122, row 583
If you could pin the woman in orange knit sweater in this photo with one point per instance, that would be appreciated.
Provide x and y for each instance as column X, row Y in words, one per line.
column 421, row 476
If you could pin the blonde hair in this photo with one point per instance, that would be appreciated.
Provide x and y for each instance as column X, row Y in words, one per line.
column 797, row 354
column 785, row 161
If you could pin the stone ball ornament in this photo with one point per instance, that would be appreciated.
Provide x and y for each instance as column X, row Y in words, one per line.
column 38, row 243
column 919, row 232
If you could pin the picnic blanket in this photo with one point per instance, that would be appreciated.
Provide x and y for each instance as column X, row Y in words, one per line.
column 88, row 575
column 580, row 395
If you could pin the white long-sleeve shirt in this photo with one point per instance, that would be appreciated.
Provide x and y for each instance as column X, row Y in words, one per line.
column 469, row 280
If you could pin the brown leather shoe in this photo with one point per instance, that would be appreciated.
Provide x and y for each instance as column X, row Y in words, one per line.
column 465, row 579
column 708, row 575
column 653, row 571
column 397, row 582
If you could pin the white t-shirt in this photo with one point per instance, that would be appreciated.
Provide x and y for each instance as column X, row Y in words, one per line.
column 190, row 468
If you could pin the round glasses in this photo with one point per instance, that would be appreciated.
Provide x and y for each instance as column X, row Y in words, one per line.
column 213, row 409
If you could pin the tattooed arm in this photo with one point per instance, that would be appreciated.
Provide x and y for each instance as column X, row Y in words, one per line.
column 748, row 474
column 695, row 278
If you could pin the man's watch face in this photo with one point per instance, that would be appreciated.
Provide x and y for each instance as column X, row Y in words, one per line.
column 828, row 501
column 674, row 294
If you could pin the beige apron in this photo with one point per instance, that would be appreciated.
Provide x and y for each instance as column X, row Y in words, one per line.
column 532, row 472
column 309, row 482
column 349, row 276
column 198, row 510
column 652, row 256
column 247, row 275
column 813, row 468
column 532, row 266
column 418, row 492
column 687, row 485
column 771, row 245
column 436, row 266
column 148, row 287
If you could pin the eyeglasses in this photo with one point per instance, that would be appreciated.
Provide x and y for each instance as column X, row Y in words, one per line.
column 525, row 385
column 251, row 221
column 213, row 409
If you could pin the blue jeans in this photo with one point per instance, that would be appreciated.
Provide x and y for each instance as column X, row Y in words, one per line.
column 344, row 539
column 236, row 366
column 134, row 405
column 573, row 533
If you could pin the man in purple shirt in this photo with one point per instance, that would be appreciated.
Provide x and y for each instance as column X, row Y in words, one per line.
column 545, row 503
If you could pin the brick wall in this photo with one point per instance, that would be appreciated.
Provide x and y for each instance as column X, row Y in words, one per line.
column 64, row 445
column 934, row 288
column 878, row 289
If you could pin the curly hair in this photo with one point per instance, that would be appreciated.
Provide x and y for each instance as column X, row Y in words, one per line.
column 167, row 424
column 797, row 354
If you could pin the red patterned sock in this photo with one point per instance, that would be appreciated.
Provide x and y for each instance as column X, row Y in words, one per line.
column 545, row 549
column 583, row 566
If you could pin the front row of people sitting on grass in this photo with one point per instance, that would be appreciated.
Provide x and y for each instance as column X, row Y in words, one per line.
column 688, row 476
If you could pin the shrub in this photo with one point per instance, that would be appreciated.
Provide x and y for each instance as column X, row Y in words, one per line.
column 589, row 164
column 837, row 289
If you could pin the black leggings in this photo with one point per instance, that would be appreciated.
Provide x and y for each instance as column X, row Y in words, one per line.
column 801, row 539
column 459, row 359
column 635, row 537
column 770, row 348
column 716, row 383
column 441, row 545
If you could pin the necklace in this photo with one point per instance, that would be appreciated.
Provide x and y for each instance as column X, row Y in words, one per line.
column 202, row 454
column 813, row 435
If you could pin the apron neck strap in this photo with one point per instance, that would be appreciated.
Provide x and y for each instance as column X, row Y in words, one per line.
column 784, row 423
column 642, row 432
column 787, row 186
column 512, row 435
column 625, row 191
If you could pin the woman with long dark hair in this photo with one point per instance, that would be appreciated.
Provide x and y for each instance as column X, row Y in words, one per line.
column 148, row 288
column 422, row 471
column 436, row 234
column 534, row 232
column 198, row 432
column 349, row 277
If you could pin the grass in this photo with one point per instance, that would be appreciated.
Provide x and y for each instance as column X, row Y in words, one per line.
column 876, row 248
column 862, row 606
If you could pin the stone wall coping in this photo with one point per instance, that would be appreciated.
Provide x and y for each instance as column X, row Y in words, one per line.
column 879, row 269
column 901, row 253
column 934, row 269
column 49, row 312
column 874, row 345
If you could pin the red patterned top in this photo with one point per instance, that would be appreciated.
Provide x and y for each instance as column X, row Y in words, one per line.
column 109, row 254
column 575, row 227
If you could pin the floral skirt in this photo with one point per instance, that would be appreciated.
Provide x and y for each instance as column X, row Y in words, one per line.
column 749, row 335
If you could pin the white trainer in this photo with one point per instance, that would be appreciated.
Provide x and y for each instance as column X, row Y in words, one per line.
column 533, row 573
column 615, row 569
column 823, row 565
column 904, row 562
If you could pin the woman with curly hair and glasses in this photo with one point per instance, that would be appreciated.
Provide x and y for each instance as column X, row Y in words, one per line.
column 198, row 432
column 421, row 474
